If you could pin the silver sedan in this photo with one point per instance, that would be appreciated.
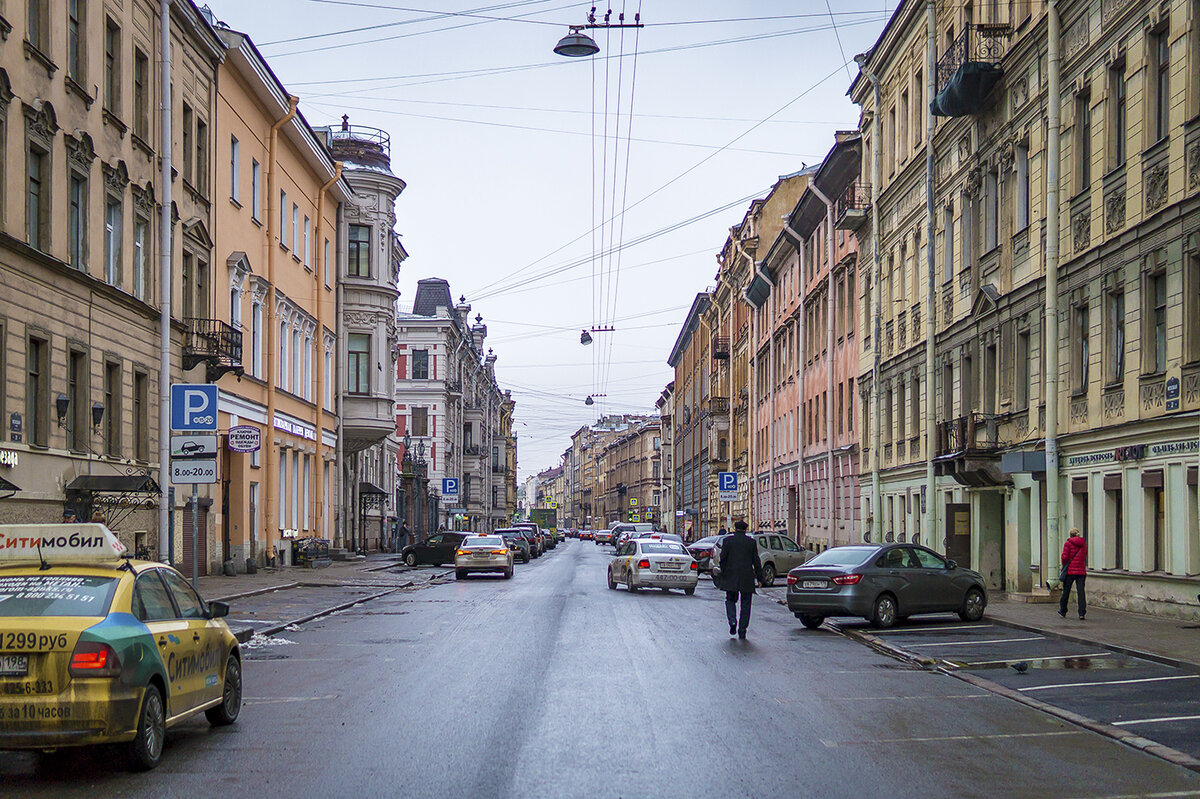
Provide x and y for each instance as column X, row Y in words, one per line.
column 483, row 553
column 643, row 563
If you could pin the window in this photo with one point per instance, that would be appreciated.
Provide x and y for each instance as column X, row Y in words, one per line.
column 1156, row 329
column 77, row 223
column 113, row 392
column 79, row 408
column 37, row 391
column 328, row 380
column 420, row 422
column 325, row 265
column 1022, row 188
column 915, row 407
column 1161, row 77
column 902, row 417
column 991, row 219
column 234, row 189
column 283, row 206
column 256, row 339
column 296, row 230
column 202, row 156
column 112, row 66
column 188, row 142
column 1117, row 139
column 76, row 37
column 37, row 28
column 420, row 364
column 112, row 242
column 283, row 485
column 255, row 189
column 307, row 243
column 308, row 367
column 37, row 206
column 141, row 416
column 948, row 252
column 190, row 605
column 141, row 256
column 359, row 260
column 358, row 372
column 968, row 384
column 151, row 602
column 1080, row 350
column 1083, row 141
column 1114, row 337
column 297, row 357
column 1022, row 372
column 141, row 94
column 918, row 120
column 1191, row 308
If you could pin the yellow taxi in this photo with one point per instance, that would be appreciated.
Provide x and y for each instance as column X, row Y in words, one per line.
column 98, row 648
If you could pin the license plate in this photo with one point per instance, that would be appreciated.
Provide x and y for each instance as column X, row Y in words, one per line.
column 813, row 584
column 14, row 665
column 677, row 578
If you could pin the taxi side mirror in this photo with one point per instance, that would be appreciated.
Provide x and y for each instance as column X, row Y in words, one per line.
column 950, row 564
column 218, row 609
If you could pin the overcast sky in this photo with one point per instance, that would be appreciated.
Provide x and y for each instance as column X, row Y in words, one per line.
column 512, row 179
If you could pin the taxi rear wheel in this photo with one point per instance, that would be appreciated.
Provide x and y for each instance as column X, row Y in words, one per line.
column 460, row 574
column 691, row 589
column 612, row 584
column 145, row 750
column 231, row 696
column 508, row 573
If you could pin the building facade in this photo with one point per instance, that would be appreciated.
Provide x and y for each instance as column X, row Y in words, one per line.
column 632, row 464
column 691, row 360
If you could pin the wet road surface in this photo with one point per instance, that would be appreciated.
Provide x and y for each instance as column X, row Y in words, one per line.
column 552, row 685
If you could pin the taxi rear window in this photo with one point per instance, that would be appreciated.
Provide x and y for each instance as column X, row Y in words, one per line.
column 55, row 595
column 662, row 549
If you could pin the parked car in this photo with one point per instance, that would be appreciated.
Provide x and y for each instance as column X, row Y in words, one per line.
column 536, row 541
column 483, row 553
column 587, row 535
column 517, row 540
column 702, row 551
column 437, row 549
column 883, row 584
column 645, row 563
column 778, row 553
column 653, row 536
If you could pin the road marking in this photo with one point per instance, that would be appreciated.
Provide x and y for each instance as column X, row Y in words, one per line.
column 282, row 699
column 992, row 641
column 1018, row 660
column 933, row 629
column 940, row 738
column 1109, row 682
column 1164, row 795
column 1155, row 721
column 905, row 698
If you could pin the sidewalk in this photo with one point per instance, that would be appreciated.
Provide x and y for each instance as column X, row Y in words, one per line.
column 1170, row 641
column 373, row 570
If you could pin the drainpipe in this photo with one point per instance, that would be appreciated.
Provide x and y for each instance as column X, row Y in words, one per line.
column 164, row 291
column 319, row 338
column 1050, row 556
column 876, row 531
column 272, row 463
column 801, row 343
column 930, row 277
column 751, row 413
column 339, row 337
column 829, row 306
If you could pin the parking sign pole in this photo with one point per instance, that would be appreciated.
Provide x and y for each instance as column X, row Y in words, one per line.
column 195, row 525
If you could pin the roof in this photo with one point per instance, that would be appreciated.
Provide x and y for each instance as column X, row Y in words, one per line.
column 432, row 293
column 699, row 306
column 114, row 484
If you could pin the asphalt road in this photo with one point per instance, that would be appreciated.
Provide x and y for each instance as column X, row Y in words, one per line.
column 551, row 685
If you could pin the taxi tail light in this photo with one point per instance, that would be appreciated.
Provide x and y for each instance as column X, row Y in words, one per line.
column 847, row 579
column 643, row 564
column 793, row 579
column 94, row 659
column 695, row 566
column 463, row 552
column 499, row 551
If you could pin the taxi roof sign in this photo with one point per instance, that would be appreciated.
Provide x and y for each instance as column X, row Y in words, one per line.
column 59, row 542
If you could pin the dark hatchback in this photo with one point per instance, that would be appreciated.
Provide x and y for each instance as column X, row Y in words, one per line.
column 518, row 541
column 437, row 549
column 883, row 584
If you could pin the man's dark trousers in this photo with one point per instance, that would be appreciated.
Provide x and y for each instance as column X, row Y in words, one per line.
column 731, row 603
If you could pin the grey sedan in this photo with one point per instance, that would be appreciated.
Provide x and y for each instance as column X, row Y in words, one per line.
column 883, row 584
column 778, row 553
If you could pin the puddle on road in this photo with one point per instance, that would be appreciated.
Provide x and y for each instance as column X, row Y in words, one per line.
column 1067, row 664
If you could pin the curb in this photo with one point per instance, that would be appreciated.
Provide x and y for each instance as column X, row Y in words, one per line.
column 249, row 632
column 1079, row 639
column 256, row 592
column 1173, row 756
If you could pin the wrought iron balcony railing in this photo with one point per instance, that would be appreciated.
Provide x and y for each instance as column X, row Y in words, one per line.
column 969, row 69
column 471, row 449
column 852, row 206
column 975, row 432
column 720, row 348
column 213, row 343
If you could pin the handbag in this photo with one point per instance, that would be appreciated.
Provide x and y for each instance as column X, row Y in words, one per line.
column 1062, row 573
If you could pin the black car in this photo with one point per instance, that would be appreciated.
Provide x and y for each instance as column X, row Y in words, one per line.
column 537, row 541
column 437, row 549
column 518, row 541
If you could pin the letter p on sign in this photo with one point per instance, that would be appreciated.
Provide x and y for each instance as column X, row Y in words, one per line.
column 193, row 406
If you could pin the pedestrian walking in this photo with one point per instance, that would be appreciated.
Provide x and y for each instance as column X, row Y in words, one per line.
column 1074, row 572
column 740, row 569
column 403, row 536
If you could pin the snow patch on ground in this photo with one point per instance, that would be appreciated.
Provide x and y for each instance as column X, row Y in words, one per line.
column 258, row 640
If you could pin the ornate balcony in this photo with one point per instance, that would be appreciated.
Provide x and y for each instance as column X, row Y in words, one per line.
column 852, row 206
column 718, row 405
column 720, row 348
column 213, row 343
column 969, row 70
column 471, row 450
column 968, row 449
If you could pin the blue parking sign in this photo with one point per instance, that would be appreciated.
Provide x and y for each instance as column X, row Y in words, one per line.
column 193, row 406
column 450, row 486
column 727, row 481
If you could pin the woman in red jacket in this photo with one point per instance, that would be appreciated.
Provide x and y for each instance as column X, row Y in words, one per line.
column 1074, row 561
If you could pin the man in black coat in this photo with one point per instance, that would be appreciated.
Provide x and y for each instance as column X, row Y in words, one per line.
column 740, row 569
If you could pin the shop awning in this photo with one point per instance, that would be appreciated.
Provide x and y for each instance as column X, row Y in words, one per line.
column 370, row 488
column 7, row 488
column 114, row 484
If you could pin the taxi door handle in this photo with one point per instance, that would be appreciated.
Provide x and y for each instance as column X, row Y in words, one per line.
column 196, row 637
column 162, row 641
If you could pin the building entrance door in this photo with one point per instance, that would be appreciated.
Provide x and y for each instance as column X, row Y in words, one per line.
column 958, row 532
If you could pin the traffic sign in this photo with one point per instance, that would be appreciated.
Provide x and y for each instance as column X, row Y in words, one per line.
column 190, row 445
column 633, row 517
column 245, row 438
column 633, row 502
column 727, row 486
column 450, row 487
column 194, row 471
column 193, row 406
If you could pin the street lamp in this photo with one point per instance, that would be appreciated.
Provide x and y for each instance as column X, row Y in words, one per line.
column 577, row 44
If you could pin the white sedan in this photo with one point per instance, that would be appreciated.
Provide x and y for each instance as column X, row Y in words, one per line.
column 483, row 553
column 643, row 563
